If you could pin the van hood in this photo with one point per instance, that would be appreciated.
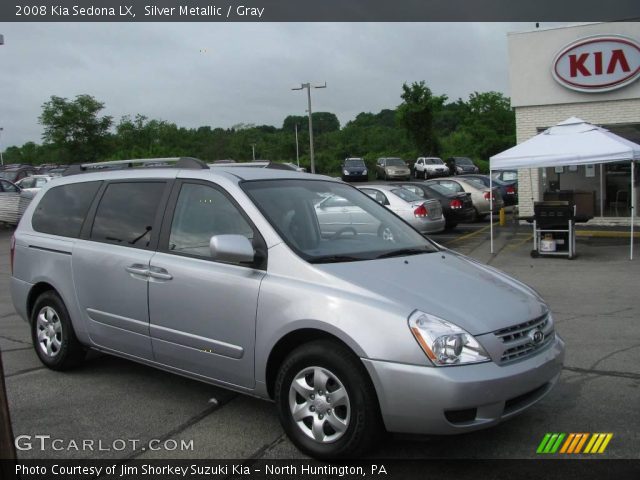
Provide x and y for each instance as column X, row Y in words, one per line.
column 474, row 296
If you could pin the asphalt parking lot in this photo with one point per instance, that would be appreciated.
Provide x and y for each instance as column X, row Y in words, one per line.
column 595, row 303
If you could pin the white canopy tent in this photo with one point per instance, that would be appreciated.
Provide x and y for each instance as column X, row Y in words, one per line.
column 572, row 142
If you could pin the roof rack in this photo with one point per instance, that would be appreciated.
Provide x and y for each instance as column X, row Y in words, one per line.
column 180, row 162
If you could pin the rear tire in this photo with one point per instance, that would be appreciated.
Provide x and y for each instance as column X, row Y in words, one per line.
column 450, row 226
column 335, row 403
column 53, row 337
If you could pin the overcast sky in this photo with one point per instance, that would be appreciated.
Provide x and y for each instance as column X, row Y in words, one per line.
column 222, row 74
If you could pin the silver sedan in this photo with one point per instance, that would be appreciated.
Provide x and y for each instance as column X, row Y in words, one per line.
column 424, row 215
column 480, row 194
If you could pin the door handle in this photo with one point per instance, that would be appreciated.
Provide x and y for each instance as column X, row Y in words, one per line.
column 138, row 269
column 159, row 273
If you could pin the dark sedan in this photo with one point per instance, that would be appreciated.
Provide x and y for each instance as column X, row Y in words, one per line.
column 354, row 170
column 456, row 207
column 508, row 190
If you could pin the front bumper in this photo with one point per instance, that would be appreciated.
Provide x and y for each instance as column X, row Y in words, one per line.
column 355, row 176
column 398, row 174
column 435, row 174
column 418, row 399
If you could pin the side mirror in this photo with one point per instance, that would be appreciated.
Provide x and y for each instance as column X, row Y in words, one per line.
column 231, row 248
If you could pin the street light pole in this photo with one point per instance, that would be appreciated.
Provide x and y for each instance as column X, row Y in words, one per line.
column 297, row 149
column 308, row 86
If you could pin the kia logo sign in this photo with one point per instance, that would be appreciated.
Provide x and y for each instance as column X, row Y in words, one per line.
column 598, row 64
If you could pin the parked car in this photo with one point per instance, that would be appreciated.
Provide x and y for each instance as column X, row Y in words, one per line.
column 34, row 183
column 337, row 215
column 506, row 175
column 354, row 170
column 428, row 167
column 457, row 207
column 57, row 171
column 461, row 165
column 13, row 173
column 425, row 215
column 480, row 195
column 294, row 166
column 224, row 277
column 508, row 191
column 392, row 167
column 10, row 202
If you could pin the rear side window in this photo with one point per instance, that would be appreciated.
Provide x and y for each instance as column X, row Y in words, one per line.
column 126, row 213
column 62, row 209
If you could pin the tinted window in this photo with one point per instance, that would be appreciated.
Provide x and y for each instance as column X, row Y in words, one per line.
column 453, row 186
column 406, row 195
column 415, row 190
column 463, row 161
column 62, row 209
column 28, row 183
column 7, row 187
column 126, row 213
column 376, row 195
column 396, row 162
column 354, row 162
column 202, row 212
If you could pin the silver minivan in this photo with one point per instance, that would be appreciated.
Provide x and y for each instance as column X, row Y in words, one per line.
column 235, row 278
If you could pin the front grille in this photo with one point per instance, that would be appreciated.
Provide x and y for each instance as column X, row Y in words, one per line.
column 516, row 339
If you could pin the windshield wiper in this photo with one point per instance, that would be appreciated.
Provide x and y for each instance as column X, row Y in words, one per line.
column 402, row 252
column 335, row 259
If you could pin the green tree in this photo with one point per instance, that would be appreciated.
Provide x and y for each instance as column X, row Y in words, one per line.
column 416, row 115
column 74, row 125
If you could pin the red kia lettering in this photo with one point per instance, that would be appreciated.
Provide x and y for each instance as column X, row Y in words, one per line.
column 617, row 57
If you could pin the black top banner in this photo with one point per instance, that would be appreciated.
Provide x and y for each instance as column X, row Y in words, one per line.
column 317, row 10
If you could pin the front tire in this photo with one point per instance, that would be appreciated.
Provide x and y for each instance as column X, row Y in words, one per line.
column 326, row 402
column 53, row 337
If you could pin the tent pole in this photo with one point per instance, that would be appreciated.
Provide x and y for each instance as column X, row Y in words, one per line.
column 602, row 190
column 633, row 206
column 491, row 207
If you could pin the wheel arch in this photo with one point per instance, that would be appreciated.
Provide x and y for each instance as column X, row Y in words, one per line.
column 288, row 343
column 37, row 290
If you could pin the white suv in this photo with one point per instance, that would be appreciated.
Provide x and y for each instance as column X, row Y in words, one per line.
column 429, row 167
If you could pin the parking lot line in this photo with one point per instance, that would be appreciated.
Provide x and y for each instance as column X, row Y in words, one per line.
column 469, row 235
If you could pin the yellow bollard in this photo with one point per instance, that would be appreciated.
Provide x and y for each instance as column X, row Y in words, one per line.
column 503, row 218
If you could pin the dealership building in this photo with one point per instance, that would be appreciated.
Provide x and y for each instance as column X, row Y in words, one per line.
column 589, row 71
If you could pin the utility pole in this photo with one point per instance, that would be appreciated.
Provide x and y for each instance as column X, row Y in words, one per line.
column 308, row 86
column 297, row 149
column 253, row 151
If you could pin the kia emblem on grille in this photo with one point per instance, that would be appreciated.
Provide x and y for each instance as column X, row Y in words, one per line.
column 536, row 336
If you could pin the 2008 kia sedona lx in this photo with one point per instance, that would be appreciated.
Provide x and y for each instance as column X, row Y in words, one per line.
column 239, row 278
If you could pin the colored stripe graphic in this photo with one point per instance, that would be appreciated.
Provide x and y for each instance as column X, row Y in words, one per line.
column 550, row 443
column 599, row 443
column 573, row 443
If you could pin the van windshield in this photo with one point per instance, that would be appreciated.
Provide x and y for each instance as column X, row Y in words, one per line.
column 324, row 221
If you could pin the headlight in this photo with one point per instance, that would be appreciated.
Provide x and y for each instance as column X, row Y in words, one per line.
column 364, row 172
column 346, row 172
column 445, row 343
